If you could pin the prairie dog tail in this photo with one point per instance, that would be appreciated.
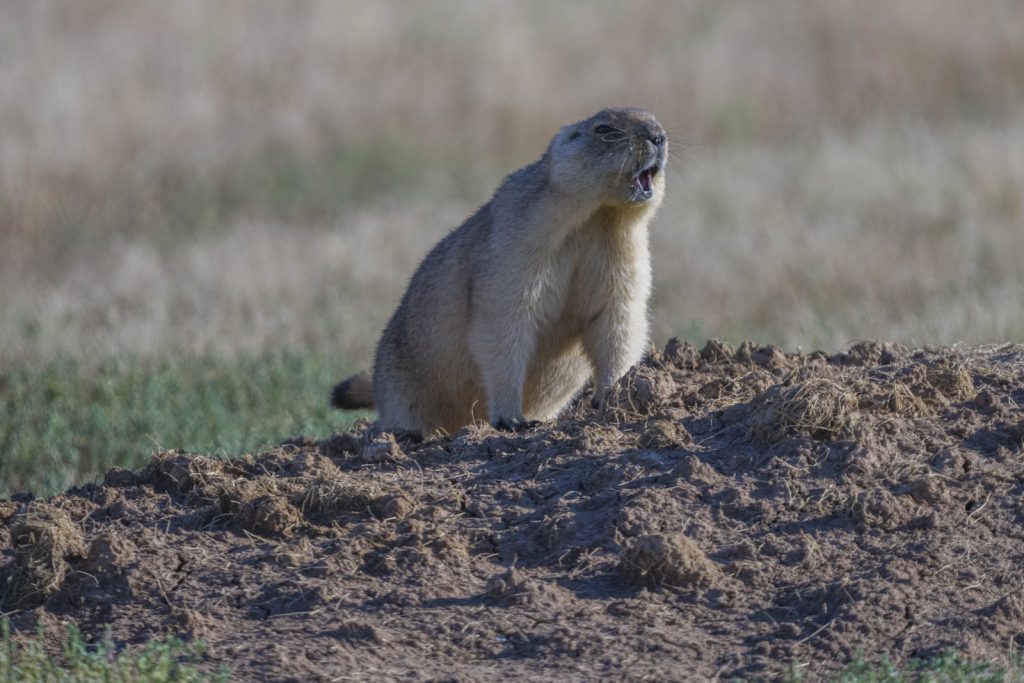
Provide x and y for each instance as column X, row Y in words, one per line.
column 354, row 393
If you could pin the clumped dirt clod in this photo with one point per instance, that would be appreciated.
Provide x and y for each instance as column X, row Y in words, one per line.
column 268, row 516
column 662, row 560
column 726, row 512
column 640, row 391
column 514, row 588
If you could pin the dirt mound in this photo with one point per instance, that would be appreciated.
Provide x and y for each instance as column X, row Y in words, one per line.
column 727, row 512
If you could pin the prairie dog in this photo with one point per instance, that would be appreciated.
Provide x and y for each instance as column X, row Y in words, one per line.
column 545, row 286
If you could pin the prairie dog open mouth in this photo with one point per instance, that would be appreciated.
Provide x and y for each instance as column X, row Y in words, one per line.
column 643, row 181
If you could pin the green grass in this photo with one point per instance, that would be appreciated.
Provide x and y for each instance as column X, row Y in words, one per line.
column 63, row 422
column 948, row 667
column 170, row 660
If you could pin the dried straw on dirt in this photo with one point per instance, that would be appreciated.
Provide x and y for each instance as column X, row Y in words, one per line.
column 43, row 539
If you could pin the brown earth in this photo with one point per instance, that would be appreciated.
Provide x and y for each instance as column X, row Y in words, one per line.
column 730, row 511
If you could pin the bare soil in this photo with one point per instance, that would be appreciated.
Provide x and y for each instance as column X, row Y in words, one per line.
column 728, row 512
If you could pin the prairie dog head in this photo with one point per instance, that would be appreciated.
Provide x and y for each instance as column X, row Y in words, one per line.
column 616, row 157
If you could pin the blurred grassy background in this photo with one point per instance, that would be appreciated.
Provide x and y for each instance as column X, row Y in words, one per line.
column 210, row 208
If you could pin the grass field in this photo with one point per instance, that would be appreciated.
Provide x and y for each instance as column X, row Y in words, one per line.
column 67, row 421
column 215, row 207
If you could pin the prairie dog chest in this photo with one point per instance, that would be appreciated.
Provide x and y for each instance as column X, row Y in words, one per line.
column 599, row 267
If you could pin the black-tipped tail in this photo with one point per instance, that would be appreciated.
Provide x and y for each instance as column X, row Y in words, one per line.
column 354, row 393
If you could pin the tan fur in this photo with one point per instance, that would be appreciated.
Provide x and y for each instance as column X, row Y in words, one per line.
column 542, row 288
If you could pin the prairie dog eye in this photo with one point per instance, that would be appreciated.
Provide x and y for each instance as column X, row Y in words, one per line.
column 609, row 134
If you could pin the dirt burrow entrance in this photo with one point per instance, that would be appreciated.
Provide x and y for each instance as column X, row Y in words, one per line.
column 728, row 512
